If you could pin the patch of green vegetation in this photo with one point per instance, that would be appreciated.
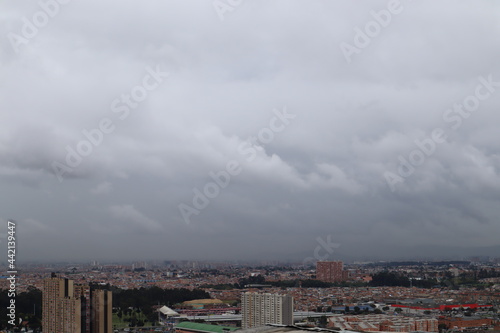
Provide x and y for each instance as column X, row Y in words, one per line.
column 129, row 318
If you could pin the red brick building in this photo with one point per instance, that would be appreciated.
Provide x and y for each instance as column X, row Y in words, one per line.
column 464, row 322
column 331, row 271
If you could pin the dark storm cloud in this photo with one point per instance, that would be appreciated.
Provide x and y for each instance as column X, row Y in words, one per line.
column 323, row 174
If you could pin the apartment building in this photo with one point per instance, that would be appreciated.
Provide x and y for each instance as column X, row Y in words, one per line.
column 261, row 309
column 70, row 308
column 331, row 271
column 61, row 309
column 385, row 323
column 102, row 311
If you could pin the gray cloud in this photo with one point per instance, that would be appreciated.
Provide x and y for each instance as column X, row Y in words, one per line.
column 322, row 175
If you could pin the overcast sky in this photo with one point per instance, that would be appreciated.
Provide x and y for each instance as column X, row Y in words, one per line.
column 337, row 120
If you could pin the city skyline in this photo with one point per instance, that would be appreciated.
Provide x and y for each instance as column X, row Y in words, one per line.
column 161, row 295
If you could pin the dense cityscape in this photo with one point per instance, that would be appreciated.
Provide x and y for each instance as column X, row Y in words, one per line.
column 194, row 296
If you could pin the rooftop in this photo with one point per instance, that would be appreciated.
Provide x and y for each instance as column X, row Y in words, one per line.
column 205, row 327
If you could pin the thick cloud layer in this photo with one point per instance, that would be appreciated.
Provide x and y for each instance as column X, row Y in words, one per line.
column 251, row 129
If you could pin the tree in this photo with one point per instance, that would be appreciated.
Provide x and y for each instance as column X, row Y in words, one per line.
column 398, row 310
column 346, row 310
column 385, row 308
column 357, row 309
column 390, row 279
column 152, row 317
column 323, row 321
column 144, row 298
column 442, row 327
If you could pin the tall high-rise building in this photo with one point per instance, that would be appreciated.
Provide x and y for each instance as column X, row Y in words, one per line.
column 61, row 309
column 330, row 271
column 83, row 292
column 102, row 311
column 75, row 308
column 261, row 309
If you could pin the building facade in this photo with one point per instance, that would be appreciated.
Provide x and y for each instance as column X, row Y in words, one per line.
column 383, row 323
column 102, row 311
column 83, row 292
column 61, row 309
column 331, row 271
column 262, row 309
column 70, row 308
column 462, row 323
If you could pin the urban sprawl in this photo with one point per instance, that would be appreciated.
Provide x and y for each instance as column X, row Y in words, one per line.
column 267, row 297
